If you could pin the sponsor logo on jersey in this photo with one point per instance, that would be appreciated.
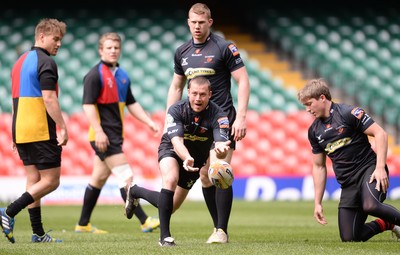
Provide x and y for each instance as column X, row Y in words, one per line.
column 332, row 147
column 238, row 61
column 194, row 72
column 357, row 112
column 365, row 119
column 172, row 131
column 195, row 138
column 223, row 122
column 184, row 62
column 233, row 49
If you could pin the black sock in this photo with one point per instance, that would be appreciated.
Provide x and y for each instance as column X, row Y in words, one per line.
column 166, row 204
column 209, row 196
column 150, row 196
column 15, row 207
column 89, row 202
column 123, row 193
column 140, row 214
column 224, row 200
column 35, row 216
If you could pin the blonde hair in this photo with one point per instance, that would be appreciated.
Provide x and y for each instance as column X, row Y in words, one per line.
column 109, row 36
column 200, row 9
column 50, row 26
column 314, row 89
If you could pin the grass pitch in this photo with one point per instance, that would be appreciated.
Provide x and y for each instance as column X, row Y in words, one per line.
column 255, row 228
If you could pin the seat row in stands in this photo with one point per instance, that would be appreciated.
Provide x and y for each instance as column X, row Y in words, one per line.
column 276, row 145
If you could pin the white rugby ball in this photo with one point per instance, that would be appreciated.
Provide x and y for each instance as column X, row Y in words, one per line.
column 220, row 174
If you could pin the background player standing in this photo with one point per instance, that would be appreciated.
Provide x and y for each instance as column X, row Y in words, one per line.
column 106, row 93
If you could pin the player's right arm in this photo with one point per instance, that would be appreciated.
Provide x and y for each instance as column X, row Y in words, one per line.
column 53, row 109
column 319, row 173
column 101, row 139
column 175, row 89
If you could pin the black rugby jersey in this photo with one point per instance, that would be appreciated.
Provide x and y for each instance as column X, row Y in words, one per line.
column 110, row 92
column 341, row 136
column 215, row 59
column 199, row 130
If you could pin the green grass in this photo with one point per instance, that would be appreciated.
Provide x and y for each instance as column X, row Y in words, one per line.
column 255, row 228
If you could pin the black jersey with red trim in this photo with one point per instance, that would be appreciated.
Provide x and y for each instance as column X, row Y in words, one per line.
column 215, row 59
column 199, row 130
column 109, row 89
column 341, row 137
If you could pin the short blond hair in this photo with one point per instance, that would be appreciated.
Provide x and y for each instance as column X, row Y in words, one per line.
column 109, row 36
column 200, row 9
column 200, row 80
column 314, row 89
column 49, row 26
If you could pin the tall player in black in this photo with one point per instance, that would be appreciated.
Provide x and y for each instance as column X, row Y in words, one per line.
column 341, row 132
column 193, row 125
column 208, row 54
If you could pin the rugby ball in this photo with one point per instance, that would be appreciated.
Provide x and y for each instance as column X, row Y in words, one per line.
column 220, row 174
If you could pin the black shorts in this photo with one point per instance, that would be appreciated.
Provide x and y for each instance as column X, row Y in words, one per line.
column 112, row 149
column 186, row 179
column 351, row 194
column 44, row 154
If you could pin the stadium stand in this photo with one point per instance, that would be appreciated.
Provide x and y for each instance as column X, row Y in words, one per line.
column 353, row 51
column 333, row 46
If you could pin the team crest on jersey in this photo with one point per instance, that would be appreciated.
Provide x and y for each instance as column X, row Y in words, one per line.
column 233, row 49
column 357, row 112
column 209, row 59
column 197, row 53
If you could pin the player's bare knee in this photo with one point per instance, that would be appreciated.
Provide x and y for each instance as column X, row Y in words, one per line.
column 205, row 182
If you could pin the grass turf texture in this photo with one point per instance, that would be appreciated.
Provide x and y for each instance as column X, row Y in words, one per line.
column 255, row 228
